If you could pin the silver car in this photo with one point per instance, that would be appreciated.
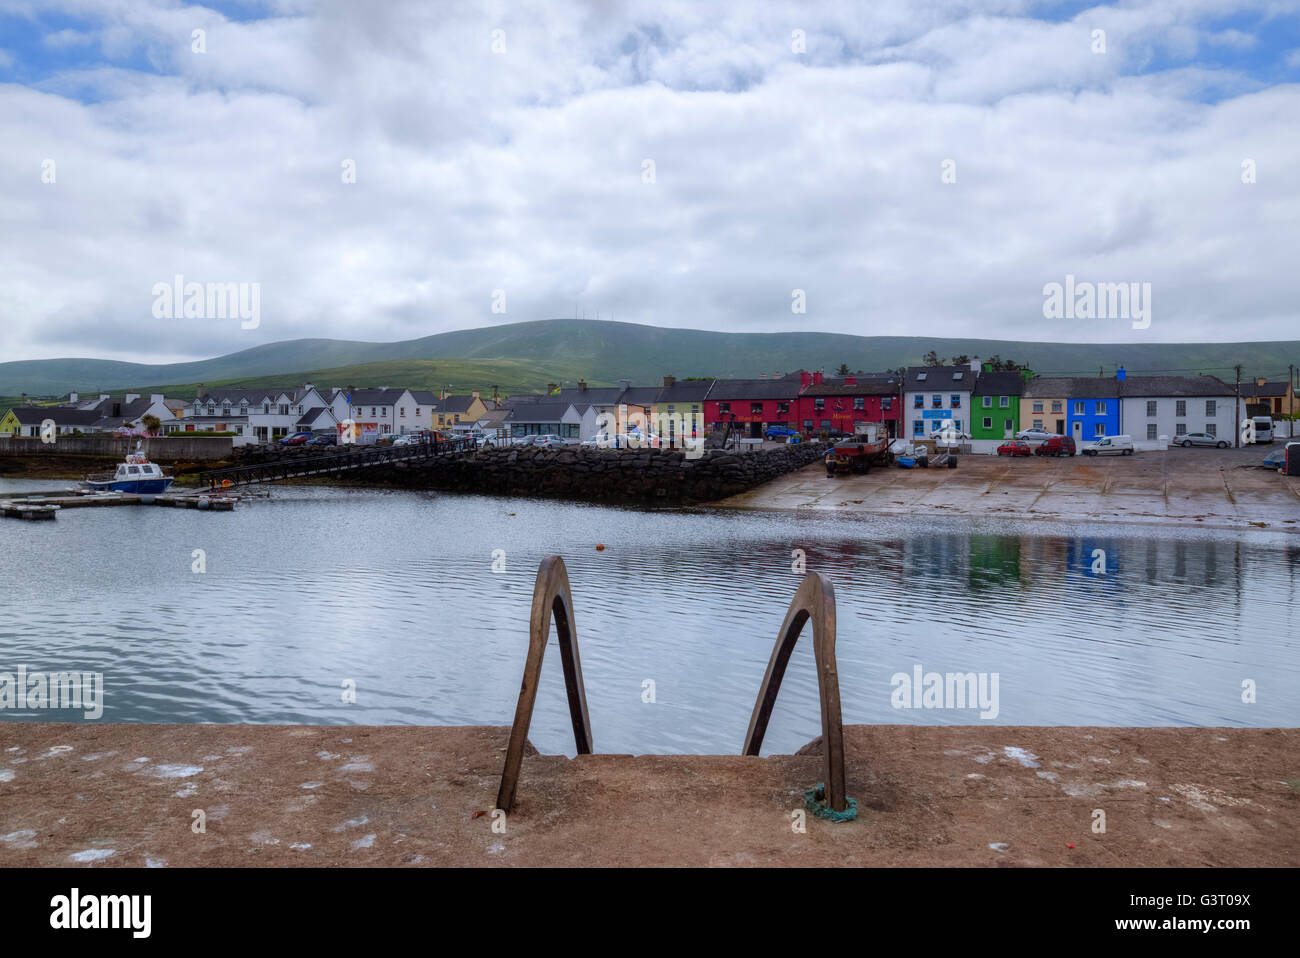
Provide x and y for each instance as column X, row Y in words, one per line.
column 1189, row 439
column 1035, row 435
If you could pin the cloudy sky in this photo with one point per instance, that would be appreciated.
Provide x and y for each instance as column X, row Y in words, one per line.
column 678, row 164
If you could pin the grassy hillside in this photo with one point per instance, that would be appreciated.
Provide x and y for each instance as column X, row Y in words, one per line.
column 527, row 355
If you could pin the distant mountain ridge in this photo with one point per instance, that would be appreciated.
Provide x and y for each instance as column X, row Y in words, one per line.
column 605, row 351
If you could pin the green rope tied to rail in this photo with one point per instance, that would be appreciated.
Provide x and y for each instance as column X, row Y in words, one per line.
column 815, row 801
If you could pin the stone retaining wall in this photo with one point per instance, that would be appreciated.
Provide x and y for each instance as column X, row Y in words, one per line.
column 651, row 475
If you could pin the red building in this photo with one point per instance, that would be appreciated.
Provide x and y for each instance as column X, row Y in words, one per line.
column 804, row 401
column 753, row 404
column 836, row 406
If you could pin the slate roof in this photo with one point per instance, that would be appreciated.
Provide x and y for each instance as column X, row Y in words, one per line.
column 1134, row 387
column 454, row 404
column 1254, row 390
column 640, row 395
column 373, row 397
column 999, row 384
column 756, row 389
column 424, row 397
column 62, row 415
column 540, row 412
column 687, row 391
column 871, row 388
column 598, row 395
column 938, row 377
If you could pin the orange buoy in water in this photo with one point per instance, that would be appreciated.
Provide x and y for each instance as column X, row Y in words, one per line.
column 600, row 547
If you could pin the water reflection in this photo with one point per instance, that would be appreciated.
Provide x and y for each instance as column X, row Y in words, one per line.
column 1103, row 625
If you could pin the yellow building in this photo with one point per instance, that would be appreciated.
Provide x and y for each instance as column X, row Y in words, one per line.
column 9, row 424
column 453, row 410
column 1042, row 411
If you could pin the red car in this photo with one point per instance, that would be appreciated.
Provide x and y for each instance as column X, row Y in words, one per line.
column 1056, row 446
column 1015, row 447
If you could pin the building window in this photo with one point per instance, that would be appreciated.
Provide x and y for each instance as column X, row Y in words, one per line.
column 826, row 424
column 1180, row 429
column 402, row 410
column 918, row 401
column 918, row 427
column 988, row 402
column 756, row 409
column 1056, row 405
column 1099, row 408
column 807, row 425
column 1078, row 408
column 887, row 403
column 724, row 408
column 1038, row 424
column 859, row 403
column 1099, row 430
column 936, row 401
column 988, row 423
column 1004, row 402
column 1210, row 407
column 956, row 400
column 284, row 409
column 1151, row 430
column 1210, row 428
column 1151, row 411
column 921, row 377
column 819, row 405
column 1180, row 408
column 783, row 409
column 1038, row 406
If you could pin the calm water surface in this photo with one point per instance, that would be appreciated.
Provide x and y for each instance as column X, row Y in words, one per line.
column 394, row 590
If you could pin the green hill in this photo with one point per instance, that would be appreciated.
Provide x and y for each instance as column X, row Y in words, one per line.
column 528, row 355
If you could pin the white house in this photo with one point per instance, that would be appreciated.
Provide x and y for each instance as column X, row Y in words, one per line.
column 932, row 394
column 271, row 413
column 379, row 412
column 1160, row 407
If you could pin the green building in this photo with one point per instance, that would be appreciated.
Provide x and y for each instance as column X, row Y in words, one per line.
column 995, row 404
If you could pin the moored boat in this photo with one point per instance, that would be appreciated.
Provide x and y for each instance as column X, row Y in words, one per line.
column 137, row 475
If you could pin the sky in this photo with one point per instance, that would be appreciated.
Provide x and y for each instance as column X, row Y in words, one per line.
column 382, row 171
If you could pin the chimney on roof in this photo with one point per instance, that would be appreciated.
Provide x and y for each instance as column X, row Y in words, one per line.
column 817, row 378
column 551, row 387
column 103, row 396
column 201, row 392
column 805, row 378
column 474, row 393
column 131, row 397
column 975, row 364
column 155, row 398
column 669, row 380
column 1120, row 374
column 1259, row 381
column 625, row 383
column 582, row 385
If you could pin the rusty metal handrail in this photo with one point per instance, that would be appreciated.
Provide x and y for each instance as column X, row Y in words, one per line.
column 551, row 597
column 814, row 600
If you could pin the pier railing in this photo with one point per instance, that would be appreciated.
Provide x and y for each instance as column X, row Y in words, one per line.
column 362, row 458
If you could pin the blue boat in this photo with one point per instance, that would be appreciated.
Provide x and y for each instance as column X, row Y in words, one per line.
column 137, row 474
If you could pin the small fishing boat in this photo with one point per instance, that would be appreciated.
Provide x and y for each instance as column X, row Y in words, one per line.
column 137, row 474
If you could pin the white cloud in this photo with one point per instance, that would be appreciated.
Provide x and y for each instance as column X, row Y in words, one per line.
column 523, row 171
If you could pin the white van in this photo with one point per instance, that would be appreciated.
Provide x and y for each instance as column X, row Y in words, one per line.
column 1263, row 428
column 1110, row 446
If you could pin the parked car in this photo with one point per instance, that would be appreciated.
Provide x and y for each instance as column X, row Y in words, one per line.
column 1035, row 435
column 1056, row 446
column 322, row 440
column 780, row 432
column 296, row 439
column 551, row 441
column 1189, row 439
column 406, row 439
column 1110, row 446
column 1275, row 459
column 1015, row 447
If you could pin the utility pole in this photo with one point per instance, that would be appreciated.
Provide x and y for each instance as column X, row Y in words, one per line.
column 1236, row 422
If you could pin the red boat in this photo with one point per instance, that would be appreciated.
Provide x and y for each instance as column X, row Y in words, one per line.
column 868, row 447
